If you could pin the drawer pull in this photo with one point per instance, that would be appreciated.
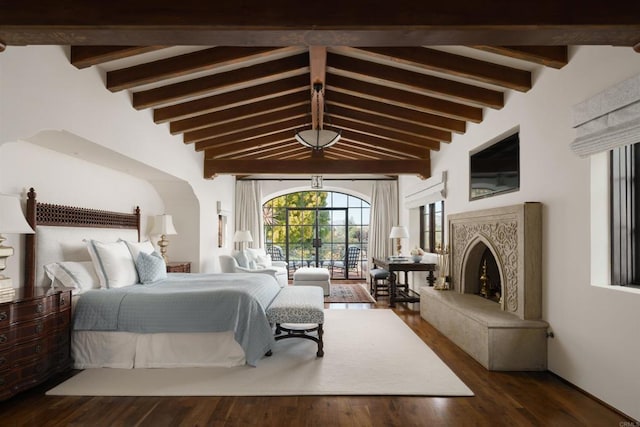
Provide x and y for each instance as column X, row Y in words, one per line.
column 38, row 348
column 63, row 301
column 39, row 328
column 3, row 339
column 3, row 316
column 39, row 308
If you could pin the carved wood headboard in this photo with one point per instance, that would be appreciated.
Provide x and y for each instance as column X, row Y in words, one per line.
column 67, row 216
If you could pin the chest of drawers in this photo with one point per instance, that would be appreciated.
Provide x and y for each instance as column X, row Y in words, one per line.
column 34, row 339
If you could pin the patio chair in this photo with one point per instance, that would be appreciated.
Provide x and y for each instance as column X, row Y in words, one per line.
column 353, row 262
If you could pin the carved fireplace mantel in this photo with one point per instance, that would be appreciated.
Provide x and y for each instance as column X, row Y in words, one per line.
column 513, row 234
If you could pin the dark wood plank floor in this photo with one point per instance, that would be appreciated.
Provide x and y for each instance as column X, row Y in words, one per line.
column 501, row 399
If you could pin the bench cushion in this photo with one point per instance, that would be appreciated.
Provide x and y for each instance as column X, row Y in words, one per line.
column 311, row 273
column 297, row 304
column 379, row 273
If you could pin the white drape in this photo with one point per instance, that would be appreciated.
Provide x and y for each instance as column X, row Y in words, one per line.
column 384, row 215
column 249, row 210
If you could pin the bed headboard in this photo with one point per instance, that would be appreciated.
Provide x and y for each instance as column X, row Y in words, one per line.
column 46, row 214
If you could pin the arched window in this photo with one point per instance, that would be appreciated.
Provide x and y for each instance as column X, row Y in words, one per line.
column 319, row 229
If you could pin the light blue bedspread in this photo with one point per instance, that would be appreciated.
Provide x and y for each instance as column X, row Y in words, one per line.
column 187, row 303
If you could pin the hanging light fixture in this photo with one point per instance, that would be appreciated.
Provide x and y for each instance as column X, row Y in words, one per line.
column 317, row 138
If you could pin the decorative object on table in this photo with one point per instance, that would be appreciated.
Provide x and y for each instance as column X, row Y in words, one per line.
column 399, row 232
column 12, row 221
column 242, row 237
column 163, row 225
column 443, row 268
column 416, row 254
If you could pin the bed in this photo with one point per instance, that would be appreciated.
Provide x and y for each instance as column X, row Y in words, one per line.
column 174, row 320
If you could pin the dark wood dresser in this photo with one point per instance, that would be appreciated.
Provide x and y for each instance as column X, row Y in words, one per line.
column 179, row 267
column 35, row 340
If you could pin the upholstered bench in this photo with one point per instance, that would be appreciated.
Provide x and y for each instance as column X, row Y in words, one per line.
column 313, row 276
column 379, row 282
column 302, row 306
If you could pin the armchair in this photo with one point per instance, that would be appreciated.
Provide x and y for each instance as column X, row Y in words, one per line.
column 229, row 264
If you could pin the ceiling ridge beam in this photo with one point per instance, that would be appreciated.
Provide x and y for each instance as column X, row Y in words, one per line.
column 223, row 82
column 230, row 99
column 412, row 81
column 212, row 59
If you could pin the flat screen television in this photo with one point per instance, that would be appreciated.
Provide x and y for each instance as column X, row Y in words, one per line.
column 495, row 169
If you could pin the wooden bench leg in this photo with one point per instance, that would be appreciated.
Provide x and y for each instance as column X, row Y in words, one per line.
column 320, row 352
column 302, row 333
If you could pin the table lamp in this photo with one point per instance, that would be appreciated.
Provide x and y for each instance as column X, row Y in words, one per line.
column 242, row 237
column 399, row 232
column 163, row 225
column 12, row 221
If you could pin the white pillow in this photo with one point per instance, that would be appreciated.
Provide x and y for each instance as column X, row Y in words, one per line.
column 253, row 254
column 113, row 263
column 136, row 247
column 80, row 276
column 151, row 267
column 264, row 261
column 241, row 258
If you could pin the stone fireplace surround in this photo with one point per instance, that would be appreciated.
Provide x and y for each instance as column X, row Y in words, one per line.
column 505, row 336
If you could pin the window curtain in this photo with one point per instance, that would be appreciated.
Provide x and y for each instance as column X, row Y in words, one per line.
column 384, row 215
column 249, row 210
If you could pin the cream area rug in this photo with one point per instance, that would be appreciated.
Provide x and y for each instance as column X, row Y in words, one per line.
column 367, row 352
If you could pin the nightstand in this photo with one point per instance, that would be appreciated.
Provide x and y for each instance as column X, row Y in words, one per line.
column 34, row 339
column 179, row 267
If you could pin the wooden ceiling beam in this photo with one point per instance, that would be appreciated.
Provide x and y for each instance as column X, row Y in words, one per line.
column 246, row 124
column 224, row 82
column 404, row 98
column 398, row 78
column 231, row 99
column 281, row 151
column 242, row 135
column 369, row 118
column 549, row 56
column 87, row 56
column 240, row 147
column 221, row 58
column 241, row 112
column 284, row 23
column 355, row 141
column 401, row 141
column 420, row 167
column 444, row 62
column 408, row 115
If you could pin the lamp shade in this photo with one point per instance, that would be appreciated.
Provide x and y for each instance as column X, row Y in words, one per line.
column 163, row 224
column 317, row 138
column 242, row 236
column 399, row 232
column 12, row 219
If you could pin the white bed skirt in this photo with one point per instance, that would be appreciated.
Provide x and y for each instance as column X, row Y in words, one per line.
column 127, row 350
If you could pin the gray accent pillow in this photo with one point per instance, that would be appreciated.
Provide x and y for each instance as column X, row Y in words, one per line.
column 151, row 267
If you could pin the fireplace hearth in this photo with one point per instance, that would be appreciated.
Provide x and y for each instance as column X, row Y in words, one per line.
column 501, row 249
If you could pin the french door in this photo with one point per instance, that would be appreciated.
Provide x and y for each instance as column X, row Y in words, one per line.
column 317, row 237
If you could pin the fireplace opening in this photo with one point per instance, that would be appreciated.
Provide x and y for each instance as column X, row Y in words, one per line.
column 482, row 273
column 489, row 277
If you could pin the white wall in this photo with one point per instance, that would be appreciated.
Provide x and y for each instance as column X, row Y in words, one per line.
column 44, row 99
column 597, row 338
